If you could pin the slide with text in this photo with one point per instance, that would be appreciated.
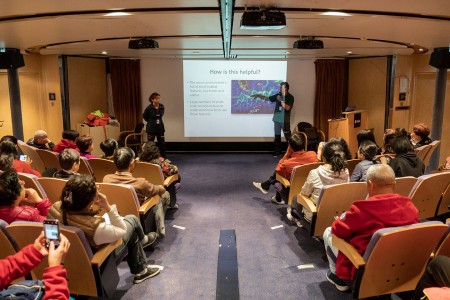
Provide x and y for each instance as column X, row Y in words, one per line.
column 220, row 97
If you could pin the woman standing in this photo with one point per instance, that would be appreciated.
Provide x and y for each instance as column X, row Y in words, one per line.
column 155, row 127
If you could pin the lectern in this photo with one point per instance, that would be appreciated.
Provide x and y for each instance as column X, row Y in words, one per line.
column 348, row 127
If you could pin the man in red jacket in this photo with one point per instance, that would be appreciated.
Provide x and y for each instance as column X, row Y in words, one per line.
column 356, row 226
column 294, row 156
column 21, row 263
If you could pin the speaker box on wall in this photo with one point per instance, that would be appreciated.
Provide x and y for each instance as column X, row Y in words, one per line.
column 11, row 59
column 440, row 58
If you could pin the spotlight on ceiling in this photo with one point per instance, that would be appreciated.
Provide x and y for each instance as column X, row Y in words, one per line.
column 143, row 44
column 308, row 42
column 263, row 20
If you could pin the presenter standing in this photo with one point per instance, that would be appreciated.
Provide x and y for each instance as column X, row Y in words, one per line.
column 155, row 127
column 282, row 114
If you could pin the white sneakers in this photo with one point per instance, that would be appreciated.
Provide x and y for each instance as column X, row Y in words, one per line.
column 259, row 187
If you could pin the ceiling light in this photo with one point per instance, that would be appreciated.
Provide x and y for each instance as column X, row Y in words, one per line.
column 104, row 52
column 349, row 52
column 117, row 14
column 287, row 52
column 336, row 14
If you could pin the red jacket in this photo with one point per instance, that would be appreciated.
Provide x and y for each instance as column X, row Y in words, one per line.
column 357, row 225
column 63, row 144
column 23, row 167
column 21, row 263
column 285, row 166
column 25, row 213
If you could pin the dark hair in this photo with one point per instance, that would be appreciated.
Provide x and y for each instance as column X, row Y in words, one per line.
column 334, row 155
column 8, row 147
column 83, row 143
column 296, row 142
column 9, row 138
column 70, row 135
column 389, row 134
column 368, row 149
column 78, row 193
column 401, row 132
column 6, row 162
column 149, row 151
column 365, row 135
column 68, row 157
column 153, row 96
column 122, row 158
column 344, row 145
column 285, row 84
column 108, row 146
column 401, row 145
column 421, row 130
column 10, row 188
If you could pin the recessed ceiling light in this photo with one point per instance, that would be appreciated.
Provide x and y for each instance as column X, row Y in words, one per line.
column 104, row 52
column 117, row 14
column 349, row 52
column 336, row 14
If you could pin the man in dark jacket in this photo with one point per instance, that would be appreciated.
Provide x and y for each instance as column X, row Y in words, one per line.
column 356, row 226
column 41, row 141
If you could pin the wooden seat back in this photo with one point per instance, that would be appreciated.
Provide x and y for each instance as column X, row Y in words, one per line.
column 351, row 164
column 36, row 161
column 53, row 187
column 49, row 158
column 151, row 172
column 404, row 185
column 101, row 167
column 31, row 181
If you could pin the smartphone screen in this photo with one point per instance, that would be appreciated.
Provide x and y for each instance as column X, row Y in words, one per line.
column 23, row 158
column 51, row 232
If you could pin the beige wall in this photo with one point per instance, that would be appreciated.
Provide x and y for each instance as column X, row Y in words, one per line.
column 87, row 87
column 165, row 76
column 37, row 79
column 367, row 90
column 422, row 79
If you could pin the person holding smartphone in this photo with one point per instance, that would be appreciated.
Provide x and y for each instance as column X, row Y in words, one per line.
column 21, row 263
column 13, row 194
column 20, row 163
column 106, row 226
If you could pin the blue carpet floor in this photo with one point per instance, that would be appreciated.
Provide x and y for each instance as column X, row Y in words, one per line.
column 216, row 194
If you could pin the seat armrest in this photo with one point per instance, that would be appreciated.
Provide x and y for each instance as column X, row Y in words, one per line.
column 322, row 135
column 126, row 132
column 306, row 203
column 283, row 180
column 149, row 203
column 104, row 251
column 132, row 135
column 349, row 251
column 170, row 179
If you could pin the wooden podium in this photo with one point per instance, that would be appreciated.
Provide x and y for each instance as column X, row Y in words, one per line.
column 348, row 127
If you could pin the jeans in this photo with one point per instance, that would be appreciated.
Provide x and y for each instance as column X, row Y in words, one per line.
column 159, row 210
column 160, row 141
column 437, row 274
column 331, row 251
column 136, row 258
column 286, row 127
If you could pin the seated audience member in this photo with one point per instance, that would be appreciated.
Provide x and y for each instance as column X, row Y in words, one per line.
column 437, row 275
column 333, row 171
column 21, row 263
column 69, row 160
column 124, row 160
column 41, row 141
column 150, row 153
column 68, row 141
column 356, row 226
column 85, row 145
column 13, row 193
column 347, row 154
column 445, row 165
column 295, row 156
column 366, row 153
column 388, row 135
column 9, row 138
column 7, row 148
column 406, row 162
column 6, row 162
column 366, row 135
column 74, row 209
column 420, row 135
column 401, row 132
column 108, row 146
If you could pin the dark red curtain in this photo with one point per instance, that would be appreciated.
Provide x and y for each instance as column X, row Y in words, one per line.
column 126, row 91
column 330, row 90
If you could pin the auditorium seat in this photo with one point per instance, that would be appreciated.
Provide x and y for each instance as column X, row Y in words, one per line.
column 85, row 167
column 351, row 164
column 53, row 187
column 404, row 185
column 31, row 181
column 101, row 167
column 36, row 161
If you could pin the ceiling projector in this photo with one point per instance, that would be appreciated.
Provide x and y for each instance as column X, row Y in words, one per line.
column 308, row 43
column 263, row 20
column 143, row 44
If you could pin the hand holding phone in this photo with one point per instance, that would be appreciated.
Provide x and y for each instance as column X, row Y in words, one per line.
column 23, row 157
column 51, row 232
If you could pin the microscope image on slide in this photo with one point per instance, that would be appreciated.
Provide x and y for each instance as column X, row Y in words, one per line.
column 242, row 101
